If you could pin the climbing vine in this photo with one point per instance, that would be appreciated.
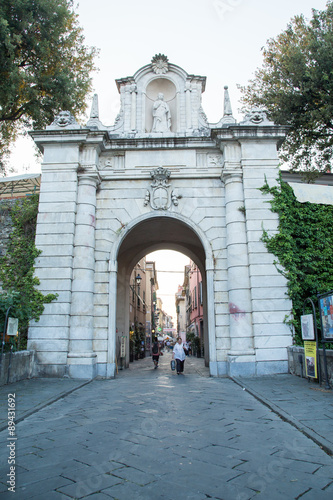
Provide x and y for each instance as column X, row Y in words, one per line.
column 303, row 246
column 17, row 277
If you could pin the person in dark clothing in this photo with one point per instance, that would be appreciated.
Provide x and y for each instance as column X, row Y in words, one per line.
column 156, row 352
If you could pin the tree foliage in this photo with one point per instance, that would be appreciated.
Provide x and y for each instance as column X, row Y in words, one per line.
column 12, row 304
column 17, row 267
column 303, row 246
column 44, row 65
column 295, row 85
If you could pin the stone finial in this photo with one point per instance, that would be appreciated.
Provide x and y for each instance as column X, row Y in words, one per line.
column 94, row 113
column 159, row 64
column 93, row 122
column 227, row 111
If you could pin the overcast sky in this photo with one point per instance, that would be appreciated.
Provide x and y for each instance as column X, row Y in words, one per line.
column 219, row 39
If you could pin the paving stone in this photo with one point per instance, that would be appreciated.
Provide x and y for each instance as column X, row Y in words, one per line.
column 98, row 496
column 162, row 490
column 90, row 485
column 41, row 488
column 315, row 494
column 134, row 475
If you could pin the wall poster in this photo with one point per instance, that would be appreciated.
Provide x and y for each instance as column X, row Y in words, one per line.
column 326, row 315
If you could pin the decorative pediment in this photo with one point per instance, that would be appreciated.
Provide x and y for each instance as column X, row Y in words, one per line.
column 160, row 99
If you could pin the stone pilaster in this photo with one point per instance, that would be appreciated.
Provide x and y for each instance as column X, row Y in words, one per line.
column 133, row 107
column 111, row 355
column 241, row 355
column 81, row 358
column 188, row 106
column 211, row 319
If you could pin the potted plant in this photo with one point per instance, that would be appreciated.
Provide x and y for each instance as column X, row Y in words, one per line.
column 197, row 346
column 190, row 338
column 131, row 347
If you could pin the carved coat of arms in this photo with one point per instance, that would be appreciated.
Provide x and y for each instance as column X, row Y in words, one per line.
column 159, row 195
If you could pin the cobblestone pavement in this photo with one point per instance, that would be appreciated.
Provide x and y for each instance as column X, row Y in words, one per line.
column 150, row 434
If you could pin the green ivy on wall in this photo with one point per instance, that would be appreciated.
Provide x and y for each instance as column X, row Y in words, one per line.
column 17, row 277
column 303, row 246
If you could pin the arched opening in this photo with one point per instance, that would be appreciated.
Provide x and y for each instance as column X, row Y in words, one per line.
column 159, row 290
column 143, row 237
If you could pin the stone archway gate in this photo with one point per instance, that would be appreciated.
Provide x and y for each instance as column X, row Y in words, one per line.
column 160, row 161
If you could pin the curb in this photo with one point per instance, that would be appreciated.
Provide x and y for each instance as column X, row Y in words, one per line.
column 311, row 434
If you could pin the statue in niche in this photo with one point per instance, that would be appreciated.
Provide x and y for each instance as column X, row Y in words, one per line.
column 161, row 115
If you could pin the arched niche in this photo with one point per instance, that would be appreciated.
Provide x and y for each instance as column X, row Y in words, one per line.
column 168, row 89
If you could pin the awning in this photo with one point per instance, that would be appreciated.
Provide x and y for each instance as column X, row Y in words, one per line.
column 19, row 186
column 313, row 193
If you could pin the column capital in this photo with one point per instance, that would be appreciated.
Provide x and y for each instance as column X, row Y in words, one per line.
column 231, row 175
column 89, row 178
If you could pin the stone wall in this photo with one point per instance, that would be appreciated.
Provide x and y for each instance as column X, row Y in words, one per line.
column 23, row 366
column 23, row 363
column 296, row 353
column 5, row 223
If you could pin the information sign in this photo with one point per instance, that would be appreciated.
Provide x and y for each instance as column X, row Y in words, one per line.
column 307, row 327
column 310, row 351
column 12, row 326
column 122, row 347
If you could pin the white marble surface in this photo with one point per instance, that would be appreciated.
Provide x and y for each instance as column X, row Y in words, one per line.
column 217, row 218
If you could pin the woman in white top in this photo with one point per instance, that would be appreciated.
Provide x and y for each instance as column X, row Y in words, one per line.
column 179, row 355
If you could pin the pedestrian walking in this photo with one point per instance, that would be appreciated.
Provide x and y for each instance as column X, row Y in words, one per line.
column 156, row 352
column 179, row 355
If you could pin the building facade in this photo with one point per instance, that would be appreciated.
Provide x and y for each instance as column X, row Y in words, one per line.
column 161, row 177
column 151, row 287
column 195, row 303
column 138, row 310
column 180, row 302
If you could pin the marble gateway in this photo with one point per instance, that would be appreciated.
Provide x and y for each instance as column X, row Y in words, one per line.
column 161, row 177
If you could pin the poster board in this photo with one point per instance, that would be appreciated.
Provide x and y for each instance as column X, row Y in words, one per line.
column 12, row 326
column 326, row 315
column 307, row 327
column 310, row 352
